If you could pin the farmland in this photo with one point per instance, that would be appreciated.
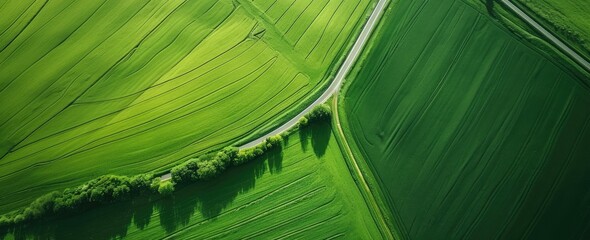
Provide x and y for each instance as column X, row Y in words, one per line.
column 469, row 131
column 569, row 19
column 304, row 191
column 126, row 87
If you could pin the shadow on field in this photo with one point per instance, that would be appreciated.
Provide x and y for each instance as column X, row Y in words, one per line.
column 275, row 160
column 107, row 222
column 490, row 7
column 207, row 198
column 318, row 133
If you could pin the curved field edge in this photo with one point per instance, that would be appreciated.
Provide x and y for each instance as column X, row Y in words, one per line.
column 373, row 197
column 533, row 44
column 365, row 167
column 368, row 174
column 257, row 131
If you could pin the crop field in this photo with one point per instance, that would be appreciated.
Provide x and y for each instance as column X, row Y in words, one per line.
column 568, row 18
column 304, row 192
column 471, row 133
column 127, row 87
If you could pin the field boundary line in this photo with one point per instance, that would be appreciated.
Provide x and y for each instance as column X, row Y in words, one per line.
column 372, row 203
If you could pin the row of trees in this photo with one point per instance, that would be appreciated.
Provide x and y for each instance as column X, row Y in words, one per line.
column 110, row 188
column 319, row 112
column 206, row 167
column 98, row 191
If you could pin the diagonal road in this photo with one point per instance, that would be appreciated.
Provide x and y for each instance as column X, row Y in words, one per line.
column 550, row 36
column 337, row 82
column 347, row 66
column 330, row 91
column 333, row 90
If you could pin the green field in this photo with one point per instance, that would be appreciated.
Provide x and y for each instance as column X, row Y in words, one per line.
column 304, row 191
column 127, row 87
column 470, row 132
column 569, row 19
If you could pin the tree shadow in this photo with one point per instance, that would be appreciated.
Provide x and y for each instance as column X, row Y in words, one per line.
column 3, row 232
column 208, row 198
column 318, row 133
column 304, row 136
column 490, row 7
column 286, row 139
column 143, row 210
column 218, row 193
column 320, row 137
column 175, row 210
column 275, row 159
column 82, row 226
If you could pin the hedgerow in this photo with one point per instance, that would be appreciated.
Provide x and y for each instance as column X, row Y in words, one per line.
column 319, row 112
column 104, row 189
column 111, row 188
column 202, row 168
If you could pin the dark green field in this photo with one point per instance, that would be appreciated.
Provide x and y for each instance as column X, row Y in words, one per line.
column 470, row 132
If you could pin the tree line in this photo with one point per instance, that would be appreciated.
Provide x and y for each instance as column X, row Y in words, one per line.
column 111, row 188
column 104, row 189
column 319, row 113
column 202, row 168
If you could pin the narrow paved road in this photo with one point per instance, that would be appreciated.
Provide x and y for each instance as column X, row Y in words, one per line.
column 348, row 64
column 330, row 91
column 550, row 36
column 337, row 82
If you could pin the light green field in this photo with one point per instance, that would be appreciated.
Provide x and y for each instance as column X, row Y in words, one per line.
column 127, row 87
column 470, row 133
column 303, row 192
column 569, row 19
